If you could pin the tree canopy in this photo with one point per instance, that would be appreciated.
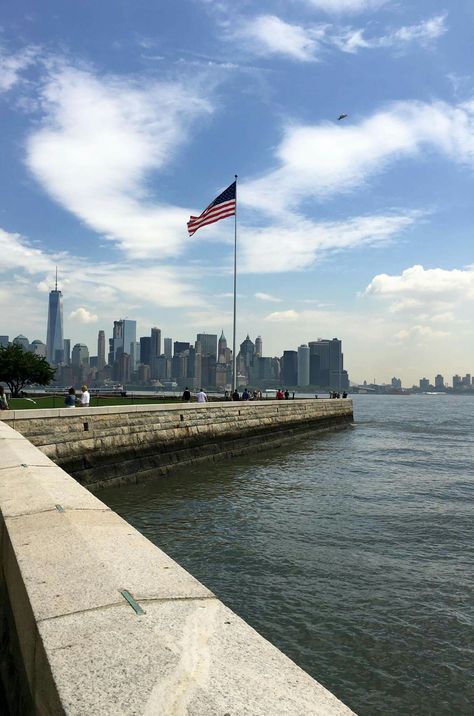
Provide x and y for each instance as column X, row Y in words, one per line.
column 19, row 368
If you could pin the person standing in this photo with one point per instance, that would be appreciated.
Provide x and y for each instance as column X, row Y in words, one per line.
column 245, row 394
column 85, row 397
column 186, row 395
column 70, row 399
column 201, row 396
column 3, row 399
column 235, row 395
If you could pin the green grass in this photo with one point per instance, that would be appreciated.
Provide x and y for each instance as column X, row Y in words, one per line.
column 57, row 401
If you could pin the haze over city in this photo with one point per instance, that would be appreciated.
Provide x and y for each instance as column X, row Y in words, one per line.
column 119, row 122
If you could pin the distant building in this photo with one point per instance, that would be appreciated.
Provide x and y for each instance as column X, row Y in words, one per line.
column 145, row 350
column 101, row 350
column 4, row 341
column 168, row 347
column 155, row 347
column 180, row 347
column 439, row 382
column 331, row 369
column 55, row 338
column 258, row 347
column 208, row 343
column 457, row 382
column 22, row 341
column 67, row 351
column 289, row 368
column 38, row 348
column 222, row 348
column 80, row 356
column 466, row 381
column 396, row 383
column 303, row 366
column 424, row 384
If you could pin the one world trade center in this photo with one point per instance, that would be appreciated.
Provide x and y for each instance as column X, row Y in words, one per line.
column 54, row 341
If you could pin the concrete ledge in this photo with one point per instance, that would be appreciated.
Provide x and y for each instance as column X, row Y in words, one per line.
column 65, row 558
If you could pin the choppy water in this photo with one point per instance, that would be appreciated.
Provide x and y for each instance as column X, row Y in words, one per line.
column 352, row 551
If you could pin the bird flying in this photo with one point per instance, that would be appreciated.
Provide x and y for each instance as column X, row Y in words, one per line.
column 342, row 116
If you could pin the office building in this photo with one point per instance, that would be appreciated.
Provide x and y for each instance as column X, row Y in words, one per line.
column 168, row 347
column 330, row 373
column 101, row 350
column 155, row 349
column 289, row 368
column 22, row 341
column 123, row 339
column 4, row 341
column 303, row 366
column 180, row 347
column 424, row 384
column 145, row 350
column 80, row 356
column 67, row 351
column 208, row 343
column 38, row 348
column 439, row 382
column 258, row 347
column 55, row 338
column 396, row 383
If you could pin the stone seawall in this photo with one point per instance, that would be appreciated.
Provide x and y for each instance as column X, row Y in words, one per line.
column 107, row 446
column 94, row 619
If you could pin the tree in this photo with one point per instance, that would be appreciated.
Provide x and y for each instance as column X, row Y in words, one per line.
column 19, row 368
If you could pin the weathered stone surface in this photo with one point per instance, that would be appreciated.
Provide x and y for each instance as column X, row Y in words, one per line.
column 195, row 657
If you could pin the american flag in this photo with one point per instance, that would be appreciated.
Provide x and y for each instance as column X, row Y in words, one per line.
column 220, row 208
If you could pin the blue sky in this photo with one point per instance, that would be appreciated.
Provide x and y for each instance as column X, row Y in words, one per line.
column 120, row 119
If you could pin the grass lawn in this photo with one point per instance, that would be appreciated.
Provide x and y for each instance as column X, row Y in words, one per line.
column 57, row 401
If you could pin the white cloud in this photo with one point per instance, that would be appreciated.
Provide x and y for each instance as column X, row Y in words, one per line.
column 12, row 66
column 417, row 283
column 349, row 6
column 267, row 297
column 420, row 332
column 268, row 34
column 82, row 315
column 296, row 243
column 100, row 138
column 320, row 160
column 351, row 40
column 282, row 316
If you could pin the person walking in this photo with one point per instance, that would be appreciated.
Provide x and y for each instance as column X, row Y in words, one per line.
column 85, row 397
column 201, row 396
column 3, row 399
column 186, row 395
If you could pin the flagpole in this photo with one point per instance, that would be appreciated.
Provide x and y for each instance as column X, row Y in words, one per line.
column 234, row 356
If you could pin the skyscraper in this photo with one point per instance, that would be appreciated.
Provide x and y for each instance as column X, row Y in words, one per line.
column 168, row 349
column 101, row 350
column 124, row 339
column 54, row 339
column 289, row 368
column 67, row 351
column 222, row 349
column 208, row 343
column 258, row 347
column 303, row 366
column 155, row 350
column 3, row 341
column 80, row 355
column 145, row 350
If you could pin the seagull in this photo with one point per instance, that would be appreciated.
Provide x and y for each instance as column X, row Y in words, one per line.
column 342, row 116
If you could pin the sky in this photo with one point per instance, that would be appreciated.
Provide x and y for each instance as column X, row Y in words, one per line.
column 122, row 118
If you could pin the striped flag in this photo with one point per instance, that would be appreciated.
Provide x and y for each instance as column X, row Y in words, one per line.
column 220, row 208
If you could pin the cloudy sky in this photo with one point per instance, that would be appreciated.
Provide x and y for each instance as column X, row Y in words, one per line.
column 120, row 119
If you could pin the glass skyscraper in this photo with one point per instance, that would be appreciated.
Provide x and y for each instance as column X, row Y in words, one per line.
column 55, row 340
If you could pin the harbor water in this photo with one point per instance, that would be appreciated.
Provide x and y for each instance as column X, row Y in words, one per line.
column 352, row 551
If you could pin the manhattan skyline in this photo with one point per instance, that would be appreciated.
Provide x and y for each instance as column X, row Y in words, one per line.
column 119, row 123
